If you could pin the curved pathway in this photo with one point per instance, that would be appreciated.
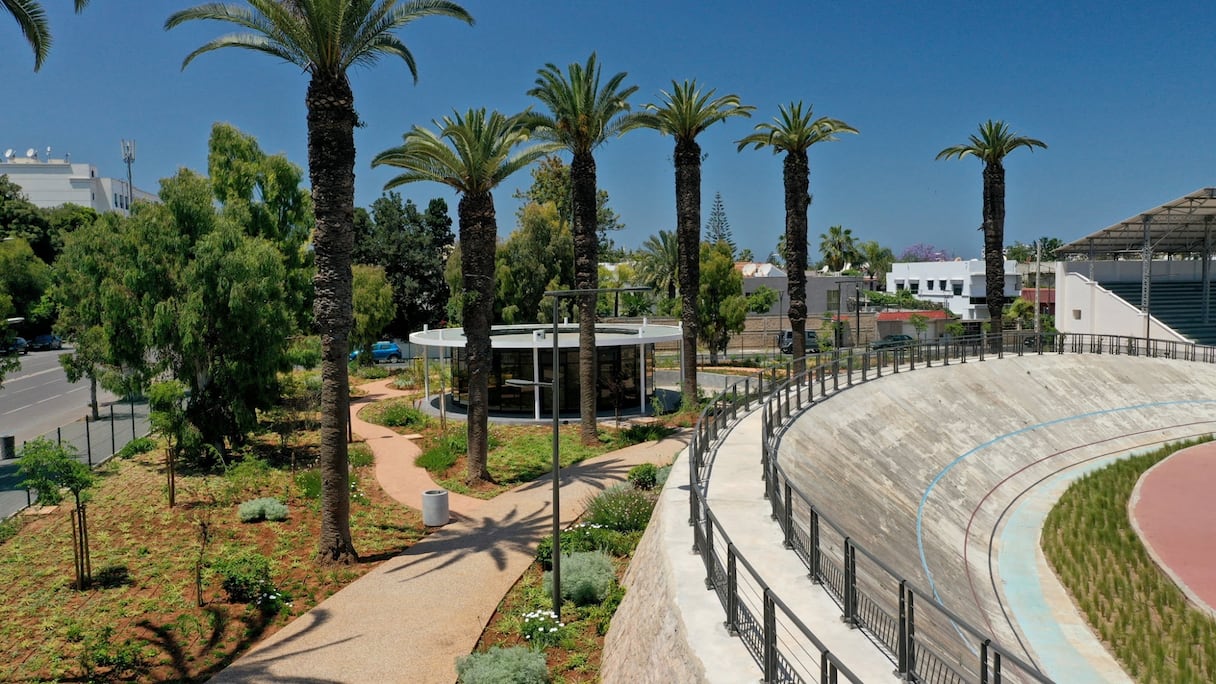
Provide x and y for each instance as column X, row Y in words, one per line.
column 1171, row 510
column 410, row 618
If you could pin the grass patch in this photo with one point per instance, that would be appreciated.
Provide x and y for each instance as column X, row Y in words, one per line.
column 395, row 413
column 1140, row 614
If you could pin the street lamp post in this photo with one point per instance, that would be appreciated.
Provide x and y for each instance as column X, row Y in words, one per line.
column 128, row 156
column 555, row 386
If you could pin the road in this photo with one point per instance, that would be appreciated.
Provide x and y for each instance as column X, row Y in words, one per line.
column 38, row 400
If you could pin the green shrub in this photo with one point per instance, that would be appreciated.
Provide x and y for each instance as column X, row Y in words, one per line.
column 246, row 576
column 136, row 446
column 9, row 528
column 309, row 482
column 248, row 475
column 443, row 451
column 620, row 508
column 265, row 508
column 637, row 434
column 514, row 665
column 587, row 577
column 120, row 661
column 397, row 413
column 360, row 455
column 643, row 476
column 369, row 372
column 588, row 537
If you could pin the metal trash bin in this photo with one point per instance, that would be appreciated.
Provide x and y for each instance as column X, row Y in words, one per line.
column 8, row 447
column 435, row 507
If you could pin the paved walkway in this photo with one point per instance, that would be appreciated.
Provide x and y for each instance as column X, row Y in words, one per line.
column 410, row 618
column 1172, row 512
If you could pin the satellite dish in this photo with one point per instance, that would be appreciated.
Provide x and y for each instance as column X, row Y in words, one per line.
column 8, row 154
column 31, row 153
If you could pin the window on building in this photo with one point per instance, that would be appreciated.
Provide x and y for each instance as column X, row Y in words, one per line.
column 929, row 285
column 116, row 200
column 941, row 285
column 914, row 286
column 958, row 287
column 899, row 285
column 979, row 300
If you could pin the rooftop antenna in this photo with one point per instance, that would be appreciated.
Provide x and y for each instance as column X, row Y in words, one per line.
column 31, row 153
column 8, row 154
column 128, row 156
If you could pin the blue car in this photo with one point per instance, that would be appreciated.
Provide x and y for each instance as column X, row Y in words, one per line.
column 381, row 351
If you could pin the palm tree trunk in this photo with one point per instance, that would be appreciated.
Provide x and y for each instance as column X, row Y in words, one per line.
column 586, row 277
column 797, row 176
column 994, row 243
column 331, row 170
column 478, row 235
column 688, row 250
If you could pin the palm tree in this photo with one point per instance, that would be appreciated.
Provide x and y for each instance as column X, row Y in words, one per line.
column 582, row 115
column 31, row 19
column 793, row 133
column 326, row 38
column 658, row 262
column 994, row 142
column 876, row 259
column 838, row 246
column 685, row 113
column 472, row 154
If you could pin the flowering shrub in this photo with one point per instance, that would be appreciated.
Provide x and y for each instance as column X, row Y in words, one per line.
column 246, row 579
column 588, row 537
column 541, row 628
column 643, row 476
column 620, row 508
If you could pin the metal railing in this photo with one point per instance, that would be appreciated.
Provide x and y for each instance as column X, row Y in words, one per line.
column 921, row 636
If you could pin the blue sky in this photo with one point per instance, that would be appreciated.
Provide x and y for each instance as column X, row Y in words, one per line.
column 1117, row 90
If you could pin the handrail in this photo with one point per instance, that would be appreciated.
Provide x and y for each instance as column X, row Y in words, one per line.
column 898, row 632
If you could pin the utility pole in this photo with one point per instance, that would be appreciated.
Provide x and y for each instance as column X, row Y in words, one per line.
column 128, row 156
column 1038, row 275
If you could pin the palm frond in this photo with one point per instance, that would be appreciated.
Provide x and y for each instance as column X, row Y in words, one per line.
column 31, row 19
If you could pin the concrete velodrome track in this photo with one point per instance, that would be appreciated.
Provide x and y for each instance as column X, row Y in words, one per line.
column 946, row 473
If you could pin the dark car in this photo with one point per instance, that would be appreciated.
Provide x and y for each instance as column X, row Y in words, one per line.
column 382, row 351
column 785, row 341
column 893, row 342
column 17, row 347
column 46, row 343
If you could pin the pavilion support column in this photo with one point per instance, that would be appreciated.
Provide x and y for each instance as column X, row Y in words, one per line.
column 1146, row 273
column 1092, row 257
column 642, row 379
column 1207, row 271
column 536, row 375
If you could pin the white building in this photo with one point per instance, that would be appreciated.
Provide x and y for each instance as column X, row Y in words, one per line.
column 957, row 285
column 49, row 183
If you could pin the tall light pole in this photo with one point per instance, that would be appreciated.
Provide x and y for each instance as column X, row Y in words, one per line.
column 555, row 385
column 128, row 156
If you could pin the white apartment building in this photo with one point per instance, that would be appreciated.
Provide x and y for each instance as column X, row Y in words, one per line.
column 50, row 182
column 957, row 285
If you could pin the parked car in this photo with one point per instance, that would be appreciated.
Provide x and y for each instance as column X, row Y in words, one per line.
column 785, row 341
column 46, row 343
column 381, row 351
column 17, row 347
column 893, row 342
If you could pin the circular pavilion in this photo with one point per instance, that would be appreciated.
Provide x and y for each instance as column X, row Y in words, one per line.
column 524, row 354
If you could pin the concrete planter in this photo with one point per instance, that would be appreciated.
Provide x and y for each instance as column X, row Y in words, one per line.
column 435, row 507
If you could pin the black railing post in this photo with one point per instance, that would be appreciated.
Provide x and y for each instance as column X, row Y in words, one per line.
column 984, row 661
column 787, row 516
column 850, row 585
column 732, row 593
column 113, row 438
column 770, row 637
column 692, row 485
column 813, row 552
column 850, row 376
column 901, row 650
column 132, row 417
column 911, row 660
column 88, row 441
column 996, row 667
column 708, row 553
column 747, row 393
column 823, row 379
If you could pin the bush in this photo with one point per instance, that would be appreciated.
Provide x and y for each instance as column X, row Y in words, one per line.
column 361, row 455
column 514, row 665
column 246, row 576
column 587, row 577
column 309, row 482
column 620, row 508
column 541, row 628
column 588, row 537
column 443, row 452
column 397, row 413
column 266, row 508
column 643, row 476
column 637, row 434
column 136, row 446
column 120, row 661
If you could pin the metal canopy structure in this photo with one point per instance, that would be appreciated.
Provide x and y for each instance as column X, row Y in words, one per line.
column 1182, row 226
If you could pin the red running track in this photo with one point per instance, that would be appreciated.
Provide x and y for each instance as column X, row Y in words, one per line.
column 1172, row 510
